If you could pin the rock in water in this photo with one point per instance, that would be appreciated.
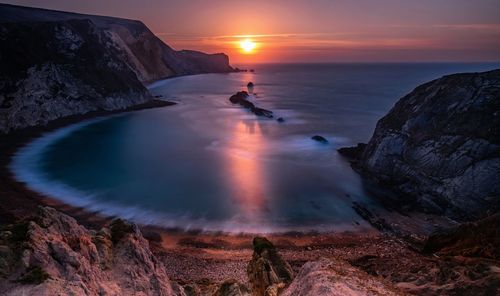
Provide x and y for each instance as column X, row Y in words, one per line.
column 241, row 98
column 353, row 153
column 238, row 97
column 267, row 272
column 320, row 139
column 54, row 255
column 250, row 87
column 439, row 146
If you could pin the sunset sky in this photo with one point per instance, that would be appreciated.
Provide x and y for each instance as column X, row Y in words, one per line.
column 315, row 30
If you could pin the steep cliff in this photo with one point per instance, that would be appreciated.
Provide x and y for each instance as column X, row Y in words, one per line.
column 439, row 147
column 54, row 64
column 148, row 56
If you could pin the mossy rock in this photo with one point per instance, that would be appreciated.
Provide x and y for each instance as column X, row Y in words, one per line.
column 119, row 228
column 33, row 276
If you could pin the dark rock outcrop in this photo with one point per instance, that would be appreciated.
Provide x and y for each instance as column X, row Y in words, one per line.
column 267, row 272
column 353, row 153
column 54, row 64
column 53, row 255
column 320, row 139
column 439, row 147
column 241, row 98
column 473, row 239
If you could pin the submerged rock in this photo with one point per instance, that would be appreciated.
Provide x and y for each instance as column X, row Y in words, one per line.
column 320, row 139
column 439, row 147
column 267, row 272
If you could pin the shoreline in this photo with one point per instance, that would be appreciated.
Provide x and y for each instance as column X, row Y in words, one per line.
column 225, row 254
column 208, row 258
column 16, row 200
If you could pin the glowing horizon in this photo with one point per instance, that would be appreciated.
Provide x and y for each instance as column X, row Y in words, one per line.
column 315, row 31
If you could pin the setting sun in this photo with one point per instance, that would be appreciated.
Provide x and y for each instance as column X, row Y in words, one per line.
column 247, row 45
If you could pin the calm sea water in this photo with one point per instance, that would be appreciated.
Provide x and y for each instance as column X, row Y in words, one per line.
column 208, row 164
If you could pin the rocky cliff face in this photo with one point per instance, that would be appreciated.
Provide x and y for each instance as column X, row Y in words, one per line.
column 54, row 64
column 53, row 255
column 55, row 69
column 439, row 146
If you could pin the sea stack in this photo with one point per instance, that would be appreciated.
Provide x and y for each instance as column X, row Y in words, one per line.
column 250, row 87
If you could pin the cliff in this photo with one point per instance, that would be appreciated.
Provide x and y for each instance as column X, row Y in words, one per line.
column 54, row 64
column 438, row 148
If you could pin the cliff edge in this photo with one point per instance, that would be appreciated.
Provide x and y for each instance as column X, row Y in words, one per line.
column 55, row 64
column 438, row 148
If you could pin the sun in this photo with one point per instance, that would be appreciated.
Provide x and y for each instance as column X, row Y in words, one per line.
column 247, row 45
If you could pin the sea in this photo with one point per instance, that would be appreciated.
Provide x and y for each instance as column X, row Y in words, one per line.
column 206, row 164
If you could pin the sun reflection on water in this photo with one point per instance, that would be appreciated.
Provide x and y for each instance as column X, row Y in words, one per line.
column 245, row 165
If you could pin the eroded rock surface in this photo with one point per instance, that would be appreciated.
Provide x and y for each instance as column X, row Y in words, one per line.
column 439, row 147
column 54, row 64
column 267, row 272
column 53, row 255
column 473, row 239
column 328, row 277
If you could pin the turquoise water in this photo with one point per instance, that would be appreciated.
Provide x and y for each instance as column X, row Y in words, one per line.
column 207, row 164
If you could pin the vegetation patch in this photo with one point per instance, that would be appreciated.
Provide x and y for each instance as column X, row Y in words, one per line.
column 33, row 276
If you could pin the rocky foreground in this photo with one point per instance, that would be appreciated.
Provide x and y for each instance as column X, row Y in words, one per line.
column 51, row 254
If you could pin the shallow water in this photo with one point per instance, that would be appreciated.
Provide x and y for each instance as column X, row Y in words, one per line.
column 208, row 164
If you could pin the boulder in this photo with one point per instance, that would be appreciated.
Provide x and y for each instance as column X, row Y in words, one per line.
column 267, row 272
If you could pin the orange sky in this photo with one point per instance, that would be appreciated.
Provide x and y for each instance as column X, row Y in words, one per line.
column 315, row 30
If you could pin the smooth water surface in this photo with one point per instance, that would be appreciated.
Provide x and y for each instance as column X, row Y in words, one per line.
column 207, row 164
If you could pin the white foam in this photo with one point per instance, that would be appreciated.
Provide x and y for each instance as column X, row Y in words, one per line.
column 26, row 168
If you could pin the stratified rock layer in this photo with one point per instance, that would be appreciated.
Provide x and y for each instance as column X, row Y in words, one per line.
column 267, row 272
column 54, row 64
column 439, row 146
column 54, row 255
